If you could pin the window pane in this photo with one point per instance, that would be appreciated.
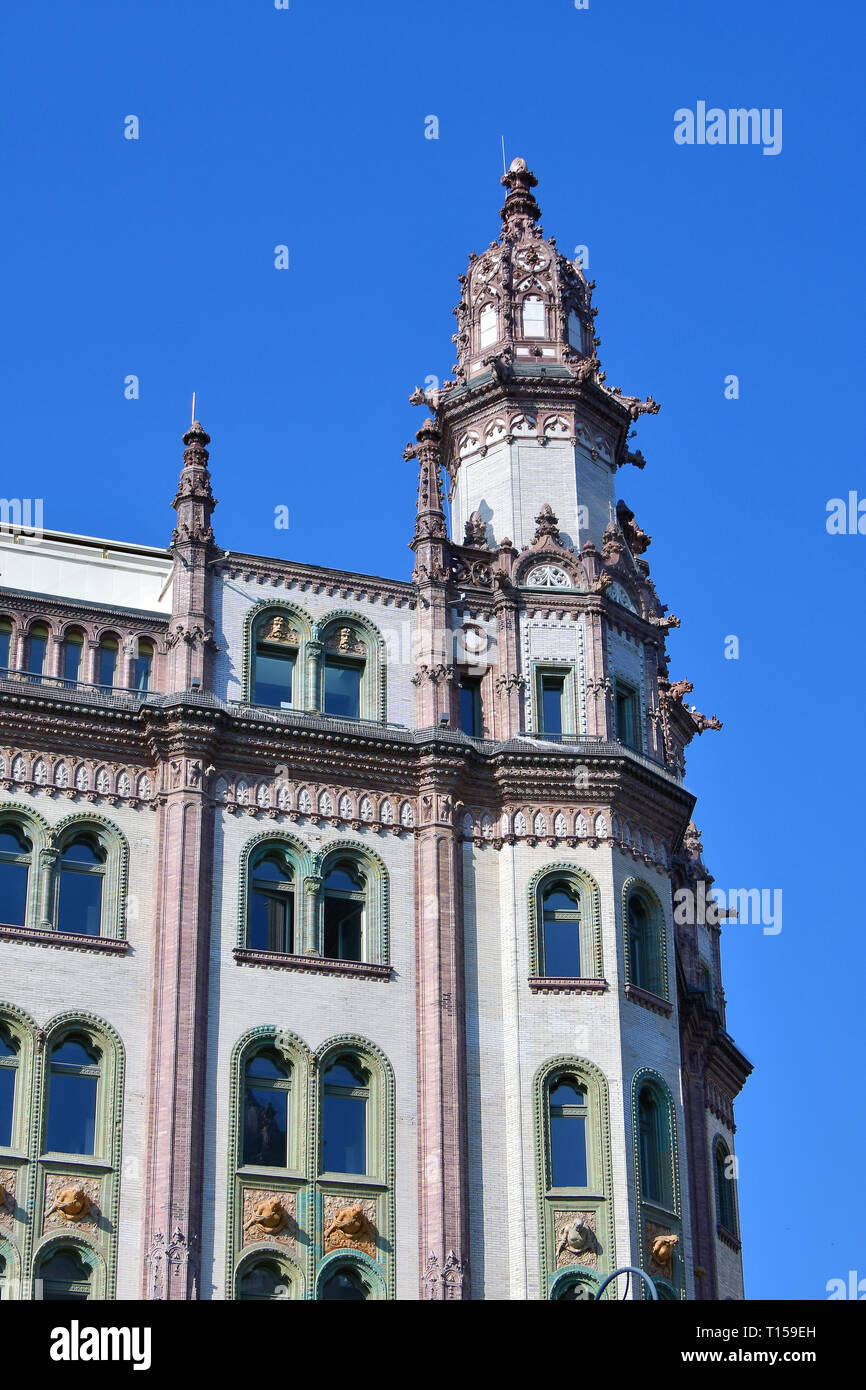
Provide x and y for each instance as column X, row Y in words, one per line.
column 560, row 900
column 575, row 336
column 341, row 1074
column 274, row 676
column 271, row 925
column 272, row 867
column 143, row 664
column 487, row 326
column 568, row 1150
column 13, row 893
column 344, row 928
column 107, row 663
column 5, row 639
column 80, row 903
column 626, row 723
column 265, row 1281
column 38, row 645
column 7, row 1102
column 551, row 706
column 533, row 318
column 345, row 1125
column 344, row 1287
column 71, row 1125
column 65, row 1278
column 265, row 1065
column 343, row 688
column 72, row 648
column 342, row 880
column 561, row 948
column 566, row 1093
column 75, row 1054
column 266, row 1126
column 84, row 852
column 470, row 708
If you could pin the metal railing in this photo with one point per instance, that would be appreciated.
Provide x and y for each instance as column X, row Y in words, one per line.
column 13, row 674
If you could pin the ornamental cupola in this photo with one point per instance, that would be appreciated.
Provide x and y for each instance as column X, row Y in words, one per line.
column 522, row 300
column 527, row 419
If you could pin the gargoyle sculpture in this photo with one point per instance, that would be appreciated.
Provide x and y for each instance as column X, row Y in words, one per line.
column 352, row 1222
column 72, row 1203
column 663, row 1251
column 268, row 1216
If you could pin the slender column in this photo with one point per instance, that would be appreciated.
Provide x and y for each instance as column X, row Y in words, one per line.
column 178, row 1035
column 510, row 682
column 442, row 1106
column 700, row 1179
column 313, row 675
column 308, row 926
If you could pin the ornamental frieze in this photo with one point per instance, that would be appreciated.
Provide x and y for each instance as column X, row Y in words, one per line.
column 77, row 780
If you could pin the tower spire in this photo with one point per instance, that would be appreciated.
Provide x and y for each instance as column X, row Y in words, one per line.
column 520, row 211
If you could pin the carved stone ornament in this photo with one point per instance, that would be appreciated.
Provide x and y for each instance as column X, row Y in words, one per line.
column 345, row 640
column 476, row 531
column 70, row 1200
column 662, row 1246
column 575, row 1238
column 350, row 1225
column 268, row 1216
column 280, row 630
column 7, row 1197
column 548, row 577
column 446, row 1279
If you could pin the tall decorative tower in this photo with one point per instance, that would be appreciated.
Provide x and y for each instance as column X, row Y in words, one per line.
column 595, row 1126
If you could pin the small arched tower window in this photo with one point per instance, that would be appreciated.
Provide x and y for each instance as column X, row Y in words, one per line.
column 271, row 924
column 107, row 667
column 487, row 326
column 37, row 649
column 654, row 1149
column 8, row 1078
column 533, row 317
column 266, row 1110
column 73, row 647
column 344, row 893
column 144, row 665
column 345, row 1100
column 645, row 962
column 568, row 1123
column 275, row 645
column 73, row 1093
column 15, row 859
column 726, row 1206
column 560, row 951
column 80, row 885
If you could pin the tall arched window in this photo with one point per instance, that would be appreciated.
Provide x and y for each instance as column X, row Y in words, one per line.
column 8, row 1079
column 275, row 643
column 37, row 647
column 344, row 895
column 568, row 1121
column 73, row 647
column 15, row 858
column 487, row 326
column 107, row 665
column 65, row 1276
column 80, row 885
column 344, row 667
column 5, row 643
column 646, row 959
column 73, row 1093
column 346, row 1093
column 263, row 1281
column 560, row 947
column 534, row 317
column 266, row 1110
column 144, row 665
column 726, row 1206
column 654, row 1149
column 271, row 913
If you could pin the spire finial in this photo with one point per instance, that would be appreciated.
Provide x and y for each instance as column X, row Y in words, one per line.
column 520, row 204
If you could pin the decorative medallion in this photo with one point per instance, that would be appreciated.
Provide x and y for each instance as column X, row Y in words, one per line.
column 71, row 1200
column 270, row 1216
column 350, row 1225
column 344, row 640
column 575, row 1238
column 280, row 630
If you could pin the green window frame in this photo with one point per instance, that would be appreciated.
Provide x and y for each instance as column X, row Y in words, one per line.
column 627, row 715
column 645, row 939
column 584, row 891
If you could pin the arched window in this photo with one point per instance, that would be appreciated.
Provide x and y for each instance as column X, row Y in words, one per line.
column 65, row 1276
column 568, row 1122
column 345, row 663
column 654, row 1149
column 5, row 643
column 487, row 326
column 560, row 947
column 645, row 953
column 73, row 646
column 37, row 648
column 266, row 1110
column 271, row 914
column 15, row 858
column 534, row 318
column 344, row 895
column 726, row 1206
column 263, row 1281
column 345, row 1285
column 346, row 1093
column 107, row 666
column 80, row 884
column 144, row 665
column 276, row 642
column 73, row 1093
column 8, row 1078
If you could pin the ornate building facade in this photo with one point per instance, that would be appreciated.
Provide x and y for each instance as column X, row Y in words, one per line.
column 338, row 953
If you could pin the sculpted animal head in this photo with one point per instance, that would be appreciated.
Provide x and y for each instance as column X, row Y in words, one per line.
column 663, row 1249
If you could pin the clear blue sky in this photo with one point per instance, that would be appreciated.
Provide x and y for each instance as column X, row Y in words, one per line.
column 258, row 127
